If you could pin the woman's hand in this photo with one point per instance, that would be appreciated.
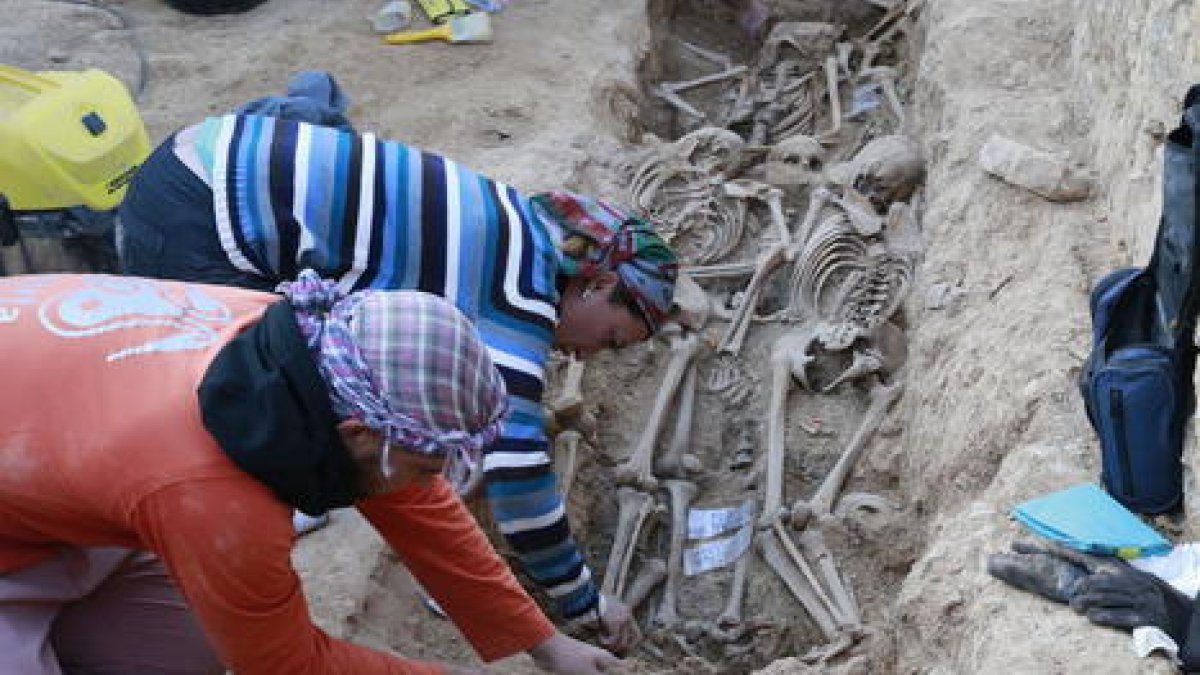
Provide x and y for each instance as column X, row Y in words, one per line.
column 619, row 632
column 566, row 655
column 455, row 669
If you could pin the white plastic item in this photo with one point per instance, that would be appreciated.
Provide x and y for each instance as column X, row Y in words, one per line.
column 394, row 15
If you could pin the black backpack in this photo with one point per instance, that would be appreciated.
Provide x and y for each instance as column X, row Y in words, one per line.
column 1137, row 382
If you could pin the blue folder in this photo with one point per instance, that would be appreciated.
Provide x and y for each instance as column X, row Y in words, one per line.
column 1087, row 519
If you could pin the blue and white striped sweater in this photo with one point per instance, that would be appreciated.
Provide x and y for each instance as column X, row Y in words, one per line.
column 379, row 214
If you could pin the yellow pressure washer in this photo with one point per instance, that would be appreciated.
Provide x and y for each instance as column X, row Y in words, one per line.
column 441, row 11
column 69, row 143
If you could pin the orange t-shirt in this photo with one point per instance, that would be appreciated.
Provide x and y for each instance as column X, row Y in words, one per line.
column 102, row 444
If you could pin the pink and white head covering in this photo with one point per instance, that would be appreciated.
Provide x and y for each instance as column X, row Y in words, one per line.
column 408, row 364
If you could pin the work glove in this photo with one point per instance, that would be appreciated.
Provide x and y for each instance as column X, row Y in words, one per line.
column 1107, row 590
column 1037, row 570
column 1130, row 598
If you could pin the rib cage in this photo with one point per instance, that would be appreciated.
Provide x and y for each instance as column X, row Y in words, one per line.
column 838, row 280
column 679, row 186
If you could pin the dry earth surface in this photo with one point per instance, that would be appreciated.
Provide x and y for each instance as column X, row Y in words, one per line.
column 996, row 319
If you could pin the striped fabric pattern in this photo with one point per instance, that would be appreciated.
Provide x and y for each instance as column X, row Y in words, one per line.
column 378, row 214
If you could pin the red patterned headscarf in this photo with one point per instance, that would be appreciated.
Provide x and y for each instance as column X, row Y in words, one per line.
column 622, row 243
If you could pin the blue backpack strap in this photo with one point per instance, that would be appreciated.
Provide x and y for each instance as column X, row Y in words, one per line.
column 1105, row 296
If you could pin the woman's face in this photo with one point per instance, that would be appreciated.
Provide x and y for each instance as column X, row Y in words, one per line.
column 591, row 321
column 407, row 468
column 413, row 468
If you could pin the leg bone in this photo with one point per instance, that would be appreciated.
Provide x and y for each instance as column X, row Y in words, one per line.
column 728, row 73
column 882, row 398
column 571, row 398
column 633, row 506
column 735, row 333
column 835, row 100
column 682, row 493
column 651, row 574
column 786, row 568
column 638, row 469
column 788, row 360
column 779, row 527
column 887, row 24
column 676, row 462
column 674, row 99
column 813, row 547
column 731, row 616
column 566, row 453
column 715, row 57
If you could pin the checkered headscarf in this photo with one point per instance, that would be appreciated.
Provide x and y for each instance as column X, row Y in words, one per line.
column 408, row 364
column 622, row 243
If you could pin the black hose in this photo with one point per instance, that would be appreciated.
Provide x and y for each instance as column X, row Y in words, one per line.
column 213, row 7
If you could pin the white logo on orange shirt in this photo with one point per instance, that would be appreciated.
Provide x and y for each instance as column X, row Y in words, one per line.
column 190, row 316
column 21, row 291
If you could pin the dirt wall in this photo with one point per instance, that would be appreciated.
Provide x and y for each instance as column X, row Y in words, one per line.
column 993, row 415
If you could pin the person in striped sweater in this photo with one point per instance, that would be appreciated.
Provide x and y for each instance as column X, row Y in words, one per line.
column 250, row 200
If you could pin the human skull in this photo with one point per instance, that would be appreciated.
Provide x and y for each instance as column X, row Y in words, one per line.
column 709, row 149
column 795, row 161
column 887, row 170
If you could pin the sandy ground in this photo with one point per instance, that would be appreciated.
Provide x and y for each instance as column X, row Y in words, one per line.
column 990, row 416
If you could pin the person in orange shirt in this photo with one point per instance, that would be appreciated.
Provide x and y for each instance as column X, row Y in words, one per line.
column 155, row 437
